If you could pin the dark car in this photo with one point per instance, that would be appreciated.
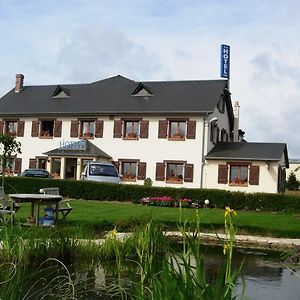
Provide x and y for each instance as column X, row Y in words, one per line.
column 40, row 173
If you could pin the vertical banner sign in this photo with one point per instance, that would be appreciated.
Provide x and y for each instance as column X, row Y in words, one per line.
column 225, row 61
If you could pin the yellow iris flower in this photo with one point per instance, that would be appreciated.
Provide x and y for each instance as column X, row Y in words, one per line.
column 229, row 211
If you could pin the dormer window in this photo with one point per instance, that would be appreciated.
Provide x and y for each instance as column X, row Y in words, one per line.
column 61, row 92
column 142, row 91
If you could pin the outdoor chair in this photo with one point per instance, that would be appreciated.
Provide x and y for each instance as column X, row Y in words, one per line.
column 64, row 206
column 6, row 213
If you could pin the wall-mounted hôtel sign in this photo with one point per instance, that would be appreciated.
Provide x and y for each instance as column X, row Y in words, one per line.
column 225, row 61
column 72, row 145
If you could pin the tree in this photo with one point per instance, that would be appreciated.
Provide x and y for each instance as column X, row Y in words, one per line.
column 10, row 147
column 292, row 182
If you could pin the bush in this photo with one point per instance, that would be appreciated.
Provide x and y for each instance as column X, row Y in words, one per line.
column 120, row 192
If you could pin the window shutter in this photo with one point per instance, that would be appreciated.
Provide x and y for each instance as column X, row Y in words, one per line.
column 18, row 165
column 35, row 128
column 144, row 129
column 254, row 175
column 99, row 129
column 20, row 128
column 74, row 128
column 1, row 127
column 162, row 129
column 117, row 165
column 118, row 129
column 160, row 172
column 141, row 171
column 191, row 130
column 188, row 172
column 57, row 128
column 32, row 163
column 223, row 174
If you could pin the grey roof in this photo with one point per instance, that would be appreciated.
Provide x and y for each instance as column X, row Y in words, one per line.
column 88, row 150
column 115, row 96
column 249, row 151
column 294, row 160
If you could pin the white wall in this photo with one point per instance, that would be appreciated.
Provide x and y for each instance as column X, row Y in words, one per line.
column 267, row 178
column 150, row 150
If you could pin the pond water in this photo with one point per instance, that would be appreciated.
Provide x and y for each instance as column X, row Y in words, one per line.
column 263, row 272
column 264, row 276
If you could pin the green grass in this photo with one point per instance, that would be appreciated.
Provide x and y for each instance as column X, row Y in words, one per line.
column 99, row 216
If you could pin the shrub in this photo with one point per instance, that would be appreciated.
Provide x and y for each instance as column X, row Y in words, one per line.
column 292, row 183
column 120, row 192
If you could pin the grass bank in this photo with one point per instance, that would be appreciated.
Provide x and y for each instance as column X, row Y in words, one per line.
column 95, row 217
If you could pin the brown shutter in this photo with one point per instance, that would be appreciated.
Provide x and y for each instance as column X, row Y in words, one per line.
column 144, row 129
column 223, row 174
column 254, row 175
column 32, row 163
column 117, row 129
column 57, row 128
column 74, row 128
column 117, row 165
column 99, row 129
column 1, row 127
column 191, row 130
column 141, row 171
column 160, row 172
column 162, row 129
column 35, row 128
column 20, row 128
column 188, row 172
column 18, row 165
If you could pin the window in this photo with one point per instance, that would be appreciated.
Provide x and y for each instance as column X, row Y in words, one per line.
column 87, row 129
column 214, row 132
column 46, row 129
column 224, row 135
column 129, row 170
column 11, row 128
column 9, row 165
column 174, row 172
column 131, row 129
column 239, row 175
column 177, row 130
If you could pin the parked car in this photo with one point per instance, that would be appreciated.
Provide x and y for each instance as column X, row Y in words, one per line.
column 40, row 173
column 101, row 172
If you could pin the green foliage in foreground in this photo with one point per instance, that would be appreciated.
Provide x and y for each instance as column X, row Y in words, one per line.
column 154, row 270
column 126, row 192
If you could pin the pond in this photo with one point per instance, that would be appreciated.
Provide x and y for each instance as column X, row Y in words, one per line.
column 263, row 274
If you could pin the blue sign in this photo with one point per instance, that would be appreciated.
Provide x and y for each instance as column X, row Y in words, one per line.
column 225, row 61
column 73, row 145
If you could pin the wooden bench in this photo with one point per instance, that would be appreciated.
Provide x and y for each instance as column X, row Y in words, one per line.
column 64, row 210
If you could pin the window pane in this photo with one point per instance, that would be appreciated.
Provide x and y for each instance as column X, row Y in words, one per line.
column 244, row 174
column 239, row 174
column 11, row 127
column 129, row 170
column 88, row 128
column 175, row 172
column 177, row 129
column 47, row 128
column 132, row 128
column 234, row 174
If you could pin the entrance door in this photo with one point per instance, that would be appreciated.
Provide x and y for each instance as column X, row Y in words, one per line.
column 70, row 168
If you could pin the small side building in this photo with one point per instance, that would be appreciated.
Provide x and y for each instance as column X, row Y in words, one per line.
column 247, row 167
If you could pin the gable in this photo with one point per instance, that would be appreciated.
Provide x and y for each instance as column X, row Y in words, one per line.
column 142, row 91
column 61, row 92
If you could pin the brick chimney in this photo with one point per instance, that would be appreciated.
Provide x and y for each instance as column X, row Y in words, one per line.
column 19, row 83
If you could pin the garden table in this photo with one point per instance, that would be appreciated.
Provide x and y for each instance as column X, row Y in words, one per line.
column 36, row 200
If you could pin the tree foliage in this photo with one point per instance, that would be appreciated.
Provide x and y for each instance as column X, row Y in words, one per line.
column 292, row 182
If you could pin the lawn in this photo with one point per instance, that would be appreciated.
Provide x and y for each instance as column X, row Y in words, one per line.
column 99, row 216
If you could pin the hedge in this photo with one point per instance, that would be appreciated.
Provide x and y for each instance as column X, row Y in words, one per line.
column 124, row 192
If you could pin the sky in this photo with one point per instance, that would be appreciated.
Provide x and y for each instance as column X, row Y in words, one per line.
column 82, row 41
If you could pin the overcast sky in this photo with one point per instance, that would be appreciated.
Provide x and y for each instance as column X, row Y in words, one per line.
column 82, row 41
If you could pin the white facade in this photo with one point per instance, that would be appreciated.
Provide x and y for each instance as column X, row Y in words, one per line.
column 150, row 150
